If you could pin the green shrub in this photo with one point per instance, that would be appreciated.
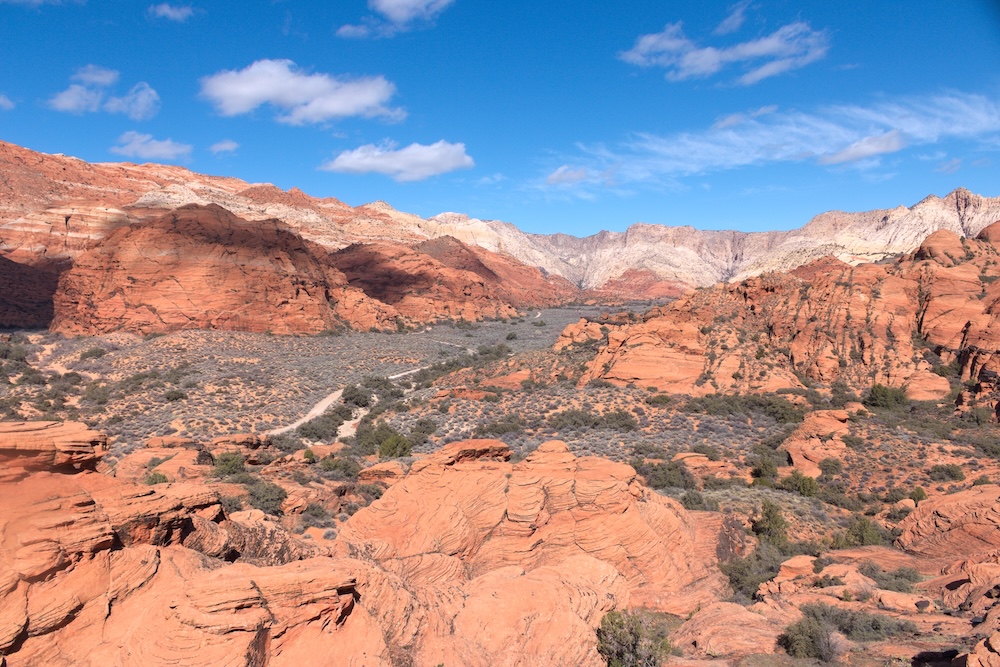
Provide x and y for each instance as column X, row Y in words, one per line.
column 229, row 463
column 860, row 532
column 340, row 467
column 900, row 580
column 369, row 437
column 394, row 447
column 93, row 353
column 771, row 405
column 667, row 475
column 831, row 466
column 174, row 395
column 918, row 494
column 373, row 490
column 946, row 472
column 624, row 639
column 231, row 504
column 888, row 398
column 155, row 478
column 267, row 497
column 658, row 399
column 693, row 500
column 326, row 426
column 809, row 638
column 355, row 395
column 509, row 424
column 800, row 484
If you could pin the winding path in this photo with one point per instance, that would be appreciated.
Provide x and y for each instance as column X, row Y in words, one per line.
column 328, row 401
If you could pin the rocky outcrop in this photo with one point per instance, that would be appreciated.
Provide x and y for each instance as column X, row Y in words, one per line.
column 963, row 524
column 419, row 287
column 468, row 559
column 29, row 446
column 826, row 322
column 205, row 268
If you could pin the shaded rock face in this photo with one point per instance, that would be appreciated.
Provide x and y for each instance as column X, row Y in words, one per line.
column 200, row 267
column 417, row 286
column 826, row 321
column 38, row 445
column 26, row 295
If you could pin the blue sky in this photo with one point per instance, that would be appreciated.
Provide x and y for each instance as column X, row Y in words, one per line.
column 556, row 116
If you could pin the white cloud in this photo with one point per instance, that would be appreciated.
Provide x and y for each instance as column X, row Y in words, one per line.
column 5, row 103
column 353, row 31
column 733, row 22
column 95, row 75
column 566, row 174
column 141, row 103
column 867, row 147
column 846, row 134
column 413, row 163
column 405, row 11
column 145, row 147
column 735, row 119
column 790, row 47
column 951, row 166
column 224, row 146
column 395, row 16
column 77, row 99
column 304, row 98
column 88, row 96
column 164, row 10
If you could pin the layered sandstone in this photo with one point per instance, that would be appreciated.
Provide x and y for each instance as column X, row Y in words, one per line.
column 53, row 206
column 205, row 268
column 825, row 322
column 26, row 295
column 50, row 445
column 468, row 559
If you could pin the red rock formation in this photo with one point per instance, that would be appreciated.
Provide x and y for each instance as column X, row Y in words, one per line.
column 827, row 321
column 417, row 286
column 47, row 445
column 520, row 285
column 202, row 267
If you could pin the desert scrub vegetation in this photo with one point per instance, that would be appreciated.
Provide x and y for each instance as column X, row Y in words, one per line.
column 900, row 580
column 632, row 639
column 326, row 426
column 813, row 636
column 773, row 548
column 772, row 405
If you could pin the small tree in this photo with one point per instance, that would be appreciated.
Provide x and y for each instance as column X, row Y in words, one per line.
column 624, row 640
column 229, row 463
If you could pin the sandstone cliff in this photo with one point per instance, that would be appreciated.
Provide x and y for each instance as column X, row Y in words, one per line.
column 53, row 206
column 890, row 323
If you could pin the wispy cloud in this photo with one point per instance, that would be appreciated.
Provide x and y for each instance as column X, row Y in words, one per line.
column 733, row 22
column 145, row 147
column 566, row 174
column 789, row 48
column 301, row 97
column 415, row 162
column 837, row 135
column 91, row 94
column 224, row 146
column 177, row 13
column 5, row 103
column 732, row 120
column 867, row 147
column 951, row 166
column 394, row 16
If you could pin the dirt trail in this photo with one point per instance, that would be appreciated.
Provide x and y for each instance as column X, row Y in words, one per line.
column 349, row 428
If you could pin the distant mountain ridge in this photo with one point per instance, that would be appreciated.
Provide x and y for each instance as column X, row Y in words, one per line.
column 52, row 206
